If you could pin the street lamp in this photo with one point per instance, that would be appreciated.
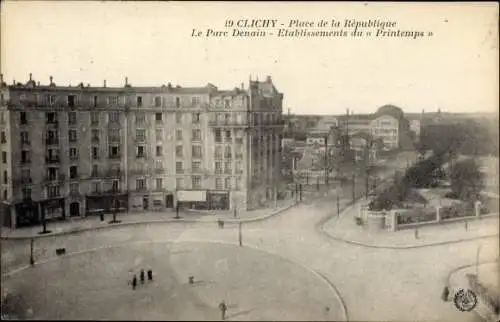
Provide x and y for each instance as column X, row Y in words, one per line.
column 477, row 261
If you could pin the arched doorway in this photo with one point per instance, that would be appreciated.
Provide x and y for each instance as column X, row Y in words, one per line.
column 74, row 209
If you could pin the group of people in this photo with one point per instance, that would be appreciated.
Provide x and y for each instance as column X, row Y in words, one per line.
column 142, row 277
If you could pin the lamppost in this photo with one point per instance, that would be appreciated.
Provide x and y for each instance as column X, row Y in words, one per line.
column 477, row 261
column 32, row 246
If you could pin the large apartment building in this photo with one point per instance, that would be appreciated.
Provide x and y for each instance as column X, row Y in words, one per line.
column 68, row 150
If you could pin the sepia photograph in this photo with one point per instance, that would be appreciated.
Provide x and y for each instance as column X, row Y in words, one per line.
column 254, row 161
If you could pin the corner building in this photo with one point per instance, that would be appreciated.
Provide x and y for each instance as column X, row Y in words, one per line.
column 68, row 151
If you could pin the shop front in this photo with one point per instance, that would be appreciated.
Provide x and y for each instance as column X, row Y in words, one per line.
column 192, row 199
column 218, row 200
column 27, row 214
column 53, row 209
column 108, row 203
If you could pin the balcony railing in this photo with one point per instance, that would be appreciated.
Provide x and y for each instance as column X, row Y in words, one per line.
column 52, row 160
column 228, row 123
column 51, row 141
column 115, row 156
column 95, row 139
column 57, row 178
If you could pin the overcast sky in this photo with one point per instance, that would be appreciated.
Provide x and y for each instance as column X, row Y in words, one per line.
column 455, row 70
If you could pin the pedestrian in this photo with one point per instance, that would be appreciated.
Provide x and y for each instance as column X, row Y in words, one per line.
column 150, row 275
column 142, row 276
column 134, row 282
column 416, row 233
column 191, row 279
column 466, row 226
column 223, row 309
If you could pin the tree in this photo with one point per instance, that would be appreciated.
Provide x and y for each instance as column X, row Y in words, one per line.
column 466, row 179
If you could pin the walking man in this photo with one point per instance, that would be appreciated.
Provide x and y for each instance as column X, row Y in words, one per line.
column 134, row 282
column 141, row 276
column 150, row 275
column 223, row 309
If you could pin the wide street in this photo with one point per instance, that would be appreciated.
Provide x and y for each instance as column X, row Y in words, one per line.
column 374, row 284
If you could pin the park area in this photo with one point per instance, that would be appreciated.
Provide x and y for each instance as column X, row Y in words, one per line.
column 96, row 286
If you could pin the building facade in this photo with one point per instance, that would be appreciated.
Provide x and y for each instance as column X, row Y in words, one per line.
column 69, row 150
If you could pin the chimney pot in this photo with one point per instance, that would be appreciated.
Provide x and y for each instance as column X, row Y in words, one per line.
column 14, row 81
column 126, row 81
column 242, row 86
column 268, row 79
column 38, row 83
column 104, row 85
column 31, row 77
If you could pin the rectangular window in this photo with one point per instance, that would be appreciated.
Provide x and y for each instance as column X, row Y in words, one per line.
column 177, row 102
column 4, row 157
column 218, row 136
column 196, row 182
column 227, row 183
column 114, row 135
column 178, row 134
column 196, row 135
column 94, row 118
column 53, row 191
column 71, row 100
column 179, row 183
column 3, row 137
column 95, row 153
column 71, row 118
column 159, row 134
column 227, row 103
column 219, row 184
column 139, row 101
column 113, row 100
column 23, row 120
column 140, row 135
column 26, row 191
column 158, row 101
column 94, row 136
column 227, row 168
column 196, row 166
column 141, row 151
column 114, row 152
column 72, row 136
column 227, row 152
column 51, row 99
column 140, row 184
column 140, row 118
column 218, row 167
column 196, row 118
column 95, row 101
column 25, row 156
column 115, row 186
column 95, row 171
column 159, row 150
column 51, row 117
column 73, row 154
column 73, row 172
column 238, row 168
column 178, row 151
column 178, row 118
column 178, row 167
column 96, row 187
column 238, row 183
column 196, row 151
column 114, row 117
column 218, row 152
column 159, row 183
column 195, row 100
column 159, row 117
column 5, row 177
column 159, row 164
column 25, row 139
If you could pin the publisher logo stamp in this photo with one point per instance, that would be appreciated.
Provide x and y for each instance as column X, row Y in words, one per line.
column 465, row 300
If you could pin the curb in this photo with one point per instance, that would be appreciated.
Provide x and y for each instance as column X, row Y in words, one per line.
column 320, row 227
column 341, row 301
column 145, row 222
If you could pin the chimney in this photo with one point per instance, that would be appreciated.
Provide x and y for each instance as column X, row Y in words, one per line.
column 268, row 79
column 242, row 86
column 14, row 81
column 38, row 83
column 51, row 78
column 126, row 81
column 88, row 85
column 169, row 85
column 31, row 77
column 104, row 85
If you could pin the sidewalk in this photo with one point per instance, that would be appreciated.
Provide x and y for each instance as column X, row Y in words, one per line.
column 344, row 228
column 93, row 222
column 488, row 277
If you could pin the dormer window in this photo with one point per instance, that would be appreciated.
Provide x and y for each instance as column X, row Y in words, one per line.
column 71, row 100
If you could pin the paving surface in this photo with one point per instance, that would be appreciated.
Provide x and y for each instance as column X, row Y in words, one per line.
column 376, row 284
